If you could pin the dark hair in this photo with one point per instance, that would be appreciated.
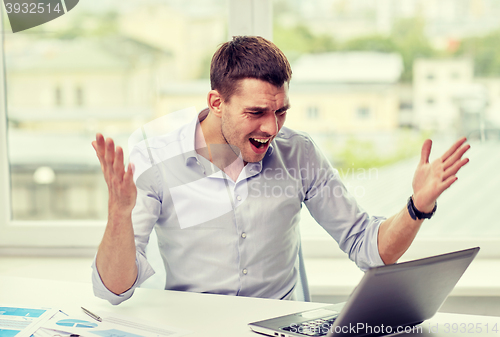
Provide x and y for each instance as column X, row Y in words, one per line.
column 247, row 57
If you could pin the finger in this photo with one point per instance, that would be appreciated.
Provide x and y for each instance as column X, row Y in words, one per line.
column 453, row 148
column 447, row 183
column 456, row 156
column 99, row 139
column 128, row 178
column 94, row 145
column 99, row 146
column 110, row 153
column 426, row 151
column 452, row 170
column 129, row 175
column 118, row 166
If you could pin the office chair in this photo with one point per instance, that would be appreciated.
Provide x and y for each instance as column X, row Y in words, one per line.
column 302, row 286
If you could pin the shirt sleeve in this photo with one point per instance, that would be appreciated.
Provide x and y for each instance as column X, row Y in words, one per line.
column 336, row 210
column 144, row 217
column 144, row 271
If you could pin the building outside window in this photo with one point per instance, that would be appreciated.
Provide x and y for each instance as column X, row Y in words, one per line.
column 103, row 67
column 341, row 55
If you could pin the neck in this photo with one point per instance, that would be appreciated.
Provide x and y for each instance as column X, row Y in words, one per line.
column 211, row 129
column 211, row 144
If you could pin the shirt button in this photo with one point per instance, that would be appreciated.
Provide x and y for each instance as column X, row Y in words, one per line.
column 243, row 235
column 238, row 197
column 245, row 271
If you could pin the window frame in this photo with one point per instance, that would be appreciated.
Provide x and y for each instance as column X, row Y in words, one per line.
column 18, row 237
column 250, row 17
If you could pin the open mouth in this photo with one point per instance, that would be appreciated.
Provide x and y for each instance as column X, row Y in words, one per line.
column 259, row 145
column 259, row 142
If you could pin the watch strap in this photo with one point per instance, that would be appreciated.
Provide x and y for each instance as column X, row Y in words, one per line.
column 415, row 214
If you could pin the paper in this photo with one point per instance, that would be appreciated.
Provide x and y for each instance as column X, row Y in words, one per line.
column 22, row 321
column 63, row 325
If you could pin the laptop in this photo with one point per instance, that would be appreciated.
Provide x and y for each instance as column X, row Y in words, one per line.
column 389, row 299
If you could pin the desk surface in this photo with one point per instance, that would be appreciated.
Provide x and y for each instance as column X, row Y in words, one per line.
column 204, row 314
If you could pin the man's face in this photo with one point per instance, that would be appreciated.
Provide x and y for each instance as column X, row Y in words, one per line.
column 253, row 117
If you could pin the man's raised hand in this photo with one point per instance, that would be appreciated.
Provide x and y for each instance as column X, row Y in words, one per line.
column 432, row 179
column 121, row 188
column 115, row 260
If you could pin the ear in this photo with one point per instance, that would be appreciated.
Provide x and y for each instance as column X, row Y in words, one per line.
column 214, row 100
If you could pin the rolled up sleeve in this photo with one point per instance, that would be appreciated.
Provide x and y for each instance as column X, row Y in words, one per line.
column 144, row 271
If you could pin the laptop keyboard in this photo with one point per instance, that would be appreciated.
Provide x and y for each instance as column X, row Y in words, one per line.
column 314, row 327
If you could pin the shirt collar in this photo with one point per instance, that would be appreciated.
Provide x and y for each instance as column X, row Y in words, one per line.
column 188, row 137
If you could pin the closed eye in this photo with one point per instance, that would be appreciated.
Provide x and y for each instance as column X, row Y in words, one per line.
column 283, row 110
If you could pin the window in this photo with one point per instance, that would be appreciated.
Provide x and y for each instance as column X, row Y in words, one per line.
column 58, row 96
column 312, row 112
column 79, row 96
column 109, row 68
column 354, row 53
column 405, row 105
column 104, row 68
column 363, row 113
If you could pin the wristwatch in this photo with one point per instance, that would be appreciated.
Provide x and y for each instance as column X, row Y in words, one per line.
column 416, row 214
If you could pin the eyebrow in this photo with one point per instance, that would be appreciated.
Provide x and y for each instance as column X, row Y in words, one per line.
column 283, row 108
column 264, row 109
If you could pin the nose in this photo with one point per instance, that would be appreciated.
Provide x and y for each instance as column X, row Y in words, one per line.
column 269, row 124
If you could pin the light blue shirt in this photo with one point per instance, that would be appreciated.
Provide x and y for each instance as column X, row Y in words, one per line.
column 238, row 237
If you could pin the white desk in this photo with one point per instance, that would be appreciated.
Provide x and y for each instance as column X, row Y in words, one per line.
column 205, row 315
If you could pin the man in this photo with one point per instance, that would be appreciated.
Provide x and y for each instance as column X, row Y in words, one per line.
column 224, row 192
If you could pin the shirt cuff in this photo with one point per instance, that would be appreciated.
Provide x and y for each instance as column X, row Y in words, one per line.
column 144, row 271
column 372, row 253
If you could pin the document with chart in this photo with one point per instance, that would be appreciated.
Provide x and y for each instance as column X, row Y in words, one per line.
column 77, row 323
column 23, row 321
